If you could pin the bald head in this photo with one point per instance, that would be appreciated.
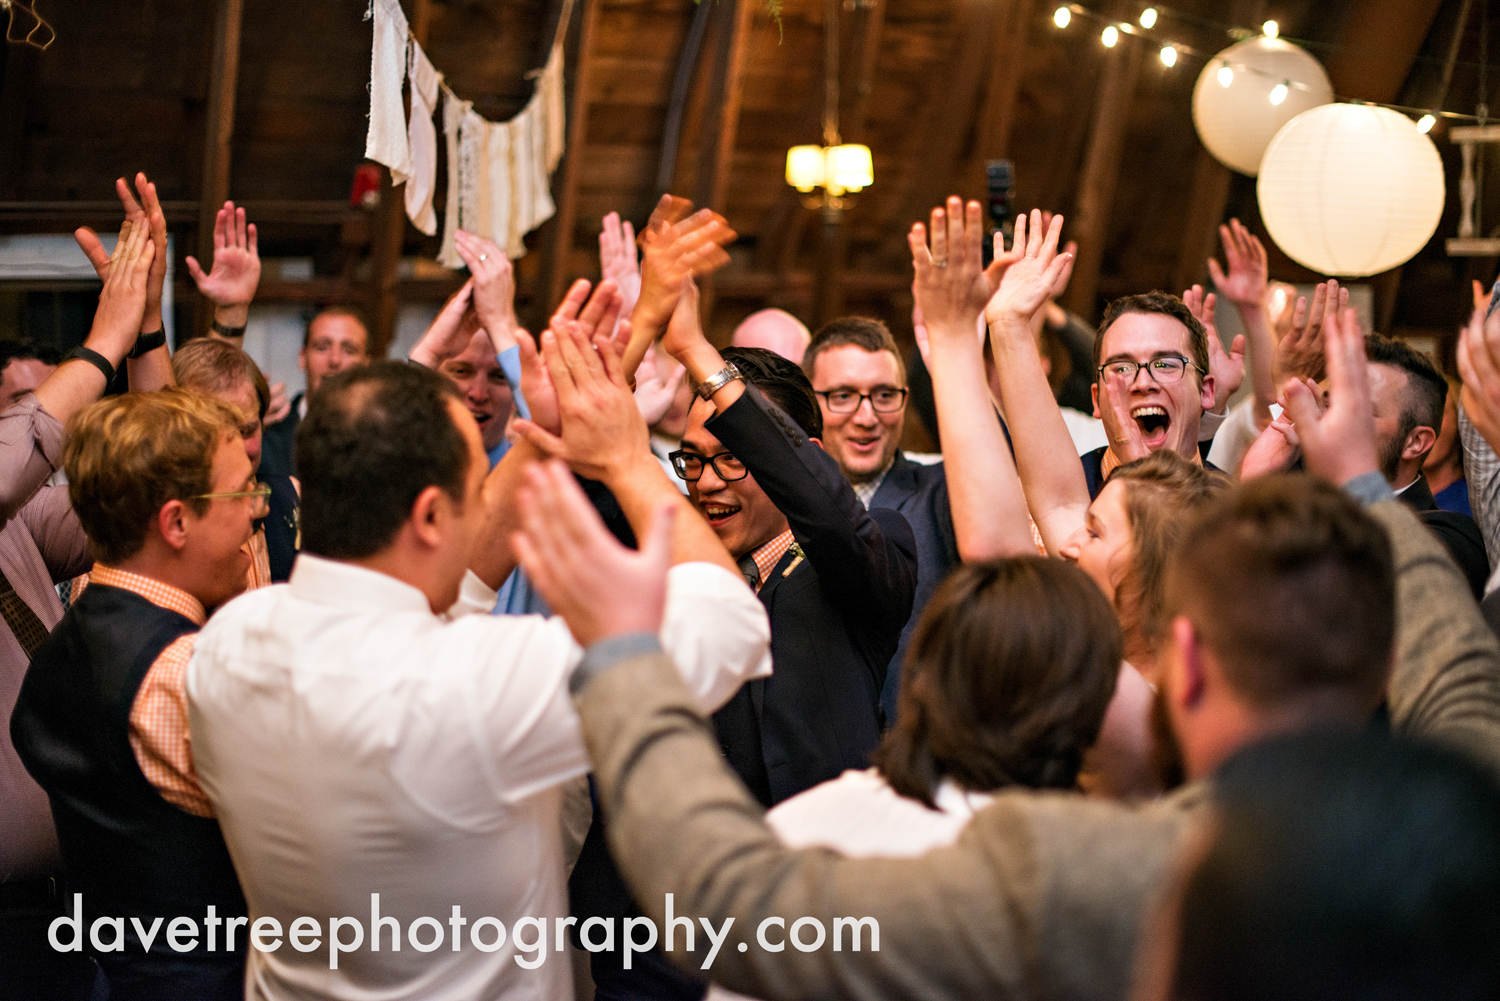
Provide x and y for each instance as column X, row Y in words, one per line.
column 775, row 330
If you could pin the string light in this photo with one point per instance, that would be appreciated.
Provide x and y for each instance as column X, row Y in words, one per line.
column 1171, row 54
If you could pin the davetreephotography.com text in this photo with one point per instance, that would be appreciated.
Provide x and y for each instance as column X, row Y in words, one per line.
column 531, row 938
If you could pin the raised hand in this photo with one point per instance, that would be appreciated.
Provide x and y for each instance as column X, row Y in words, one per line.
column 144, row 213
column 655, row 391
column 1227, row 368
column 1339, row 442
column 619, row 260
column 686, row 248
column 1027, row 284
column 1245, row 284
column 235, row 276
column 599, row 587
column 1479, row 367
column 1300, row 350
column 122, row 301
column 494, row 281
column 951, row 287
column 601, row 427
column 279, row 407
column 451, row 330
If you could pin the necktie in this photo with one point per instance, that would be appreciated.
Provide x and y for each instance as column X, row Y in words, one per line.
column 23, row 622
column 750, row 570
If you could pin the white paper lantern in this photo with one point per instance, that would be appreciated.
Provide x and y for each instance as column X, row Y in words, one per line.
column 1351, row 189
column 1236, row 120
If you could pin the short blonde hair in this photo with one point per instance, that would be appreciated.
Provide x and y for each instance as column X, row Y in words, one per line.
column 209, row 365
column 128, row 455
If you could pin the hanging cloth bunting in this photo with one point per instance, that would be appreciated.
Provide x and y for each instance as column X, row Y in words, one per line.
column 422, row 141
column 386, row 141
column 500, row 173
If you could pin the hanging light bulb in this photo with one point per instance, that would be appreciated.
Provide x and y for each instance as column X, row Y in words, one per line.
column 1062, row 16
column 1148, row 17
column 1425, row 123
column 1110, row 36
column 1279, row 93
column 1271, row 29
column 1168, row 56
column 1226, row 75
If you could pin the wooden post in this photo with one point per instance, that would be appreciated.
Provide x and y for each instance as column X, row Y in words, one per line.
column 1101, row 167
column 217, row 136
column 1200, row 231
column 567, row 188
column 997, row 112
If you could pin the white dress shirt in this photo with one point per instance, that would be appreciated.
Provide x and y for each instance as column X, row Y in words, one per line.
column 859, row 815
column 354, row 743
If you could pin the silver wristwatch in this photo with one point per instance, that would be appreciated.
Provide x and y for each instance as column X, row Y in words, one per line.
column 723, row 377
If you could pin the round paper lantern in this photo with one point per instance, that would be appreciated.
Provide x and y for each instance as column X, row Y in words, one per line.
column 1234, row 101
column 1351, row 189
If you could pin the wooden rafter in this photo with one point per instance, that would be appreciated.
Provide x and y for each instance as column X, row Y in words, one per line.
column 1101, row 168
column 218, row 134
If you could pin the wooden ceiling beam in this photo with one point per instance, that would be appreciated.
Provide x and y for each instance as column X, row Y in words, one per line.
column 716, row 140
column 1101, row 169
column 997, row 112
column 947, row 121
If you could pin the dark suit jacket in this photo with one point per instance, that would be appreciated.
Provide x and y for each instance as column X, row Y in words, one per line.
column 836, row 617
column 277, row 457
column 1459, row 534
column 920, row 493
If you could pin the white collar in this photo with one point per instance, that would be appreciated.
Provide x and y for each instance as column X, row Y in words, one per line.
column 347, row 585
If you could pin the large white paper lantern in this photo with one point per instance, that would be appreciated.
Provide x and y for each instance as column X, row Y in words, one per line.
column 1237, row 107
column 1351, row 189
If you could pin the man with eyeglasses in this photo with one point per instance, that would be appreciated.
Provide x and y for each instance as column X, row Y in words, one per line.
column 163, row 489
column 1152, row 382
column 860, row 382
column 836, row 580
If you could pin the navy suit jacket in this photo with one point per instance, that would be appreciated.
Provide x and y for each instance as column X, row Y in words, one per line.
column 920, row 493
column 836, row 616
column 277, row 455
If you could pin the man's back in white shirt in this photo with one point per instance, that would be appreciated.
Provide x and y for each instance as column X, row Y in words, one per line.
column 354, row 744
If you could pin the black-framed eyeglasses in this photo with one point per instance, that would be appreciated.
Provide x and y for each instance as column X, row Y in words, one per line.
column 1163, row 371
column 884, row 400
column 689, row 466
column 259, row 495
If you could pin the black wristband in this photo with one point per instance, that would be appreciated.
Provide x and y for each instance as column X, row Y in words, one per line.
column 224, row 331
column 148, row 342
column 95, row 359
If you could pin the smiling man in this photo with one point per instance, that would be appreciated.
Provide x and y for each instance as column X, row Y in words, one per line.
column 1151, row 383
column 836, row 580
column 860, row 382
column 487, row 396
column 165, row 492
column 336, row 339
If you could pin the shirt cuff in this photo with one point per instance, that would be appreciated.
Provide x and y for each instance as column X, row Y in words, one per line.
column 1369, row 488
column 608, row 652
column 509, row 361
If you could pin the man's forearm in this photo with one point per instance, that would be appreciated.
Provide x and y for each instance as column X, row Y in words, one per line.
column 1445, row 684
column 495, row 558
column 153, row 370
